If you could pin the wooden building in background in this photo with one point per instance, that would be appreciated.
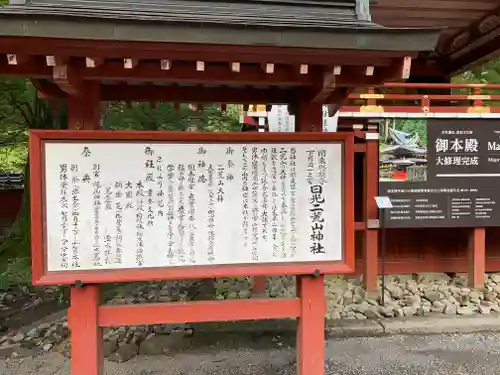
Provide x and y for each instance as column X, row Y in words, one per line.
column 301, row 53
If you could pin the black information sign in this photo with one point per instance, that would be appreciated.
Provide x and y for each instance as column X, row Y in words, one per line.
column 463, row 179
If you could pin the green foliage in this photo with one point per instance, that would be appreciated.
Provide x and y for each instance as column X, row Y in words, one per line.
column 17, row 273
column 13, row 159
column 141, row 116
column 487, row 73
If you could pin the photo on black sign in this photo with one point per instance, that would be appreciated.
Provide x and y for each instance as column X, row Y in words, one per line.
column 440, row 172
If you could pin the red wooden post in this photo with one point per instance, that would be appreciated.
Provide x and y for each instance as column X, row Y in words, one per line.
column 84, row 113
column 86, row 335
column 310, row 289
column 311, row 325
column 84, row 109
column 370, row 243
column 476, row 257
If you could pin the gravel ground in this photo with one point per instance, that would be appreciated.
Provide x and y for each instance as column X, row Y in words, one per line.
column 444, row 355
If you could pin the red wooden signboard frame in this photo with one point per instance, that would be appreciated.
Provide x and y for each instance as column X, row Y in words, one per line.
column 87, row 316
column 38, row 138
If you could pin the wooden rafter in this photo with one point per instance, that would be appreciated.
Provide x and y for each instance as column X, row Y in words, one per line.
column 199, row 72
column 177, row 51
column 474, row 44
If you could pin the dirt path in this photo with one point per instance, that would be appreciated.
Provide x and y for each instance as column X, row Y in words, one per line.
column 476, row 354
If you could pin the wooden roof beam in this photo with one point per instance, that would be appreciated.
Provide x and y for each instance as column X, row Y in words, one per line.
column 16, row 59
column 329, row 84
column 352, row 77
column 165, row 64
column 52, row 61
column 65, row 78
column 129, row 63
column 196, row 73
column 235, row 67
column 200, row 66
column 268, row 68
column 197, row 94
column 472, row 45
column 93, row 62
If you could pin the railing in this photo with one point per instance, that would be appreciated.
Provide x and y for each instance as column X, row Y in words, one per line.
column 471, row 99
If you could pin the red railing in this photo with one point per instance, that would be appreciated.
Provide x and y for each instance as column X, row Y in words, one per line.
column 385, row 99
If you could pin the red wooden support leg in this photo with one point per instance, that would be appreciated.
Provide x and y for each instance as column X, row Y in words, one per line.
column 86, row 336
column 477, row 256
column 259, row 286
column 311, row 326
column 370, row 243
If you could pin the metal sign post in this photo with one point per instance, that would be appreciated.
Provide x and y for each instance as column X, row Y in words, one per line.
column 383, row 204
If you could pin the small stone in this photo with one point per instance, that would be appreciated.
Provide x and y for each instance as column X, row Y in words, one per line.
column 47, row 347
column 18, row 338
column 413, row 300
column 432, row 296
column 398, row 312
column 490, row 296
column 8, row 299
column 335, row 315
column 124, row 353
column 155, row 345
column 495, row 278
column 495, row 308
column 361, row 308
column 64, row 349
column 163, row 329
column 109, row 347
column 395, row 291
column 474, row 295
column 347, row 298
column 464, row 300
column 465, row 310
column 360, row 316
column 450, row 309
column 349, row 314
column 409, row 310
column 372, row 314
column 485, row 310
column 387, row 312
column 33, row 333
column 438, row 306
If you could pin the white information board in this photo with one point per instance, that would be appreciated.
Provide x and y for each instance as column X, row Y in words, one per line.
column 117, row 205
column 280, row 121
